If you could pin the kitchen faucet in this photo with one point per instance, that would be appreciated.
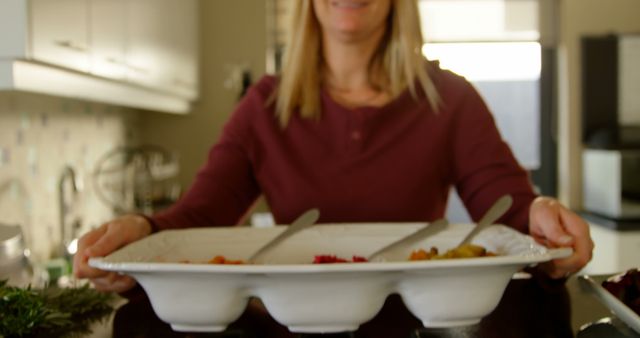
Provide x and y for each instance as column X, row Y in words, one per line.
column 66, row 181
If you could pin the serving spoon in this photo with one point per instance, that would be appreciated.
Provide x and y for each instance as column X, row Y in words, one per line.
column 430, row 230
column 303, row 221
column 496, row 211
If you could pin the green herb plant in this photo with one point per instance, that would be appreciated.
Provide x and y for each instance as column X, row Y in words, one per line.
column 51, row 311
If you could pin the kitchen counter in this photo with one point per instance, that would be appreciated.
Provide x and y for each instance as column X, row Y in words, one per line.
column 617, row 244
column 534, row 307
column 609, row 223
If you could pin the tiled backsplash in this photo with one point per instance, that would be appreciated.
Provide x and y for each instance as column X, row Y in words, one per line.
column 39, row 136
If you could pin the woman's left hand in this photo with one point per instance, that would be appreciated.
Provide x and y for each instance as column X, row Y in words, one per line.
column 553, row 225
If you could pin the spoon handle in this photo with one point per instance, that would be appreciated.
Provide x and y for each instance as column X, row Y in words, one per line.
column 496, row 211
column 303, row 221
column 430, row 230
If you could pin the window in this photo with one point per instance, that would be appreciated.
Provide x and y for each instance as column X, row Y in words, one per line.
column 495, row 45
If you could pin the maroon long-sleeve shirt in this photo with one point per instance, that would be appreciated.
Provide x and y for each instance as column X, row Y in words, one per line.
column 370, row 164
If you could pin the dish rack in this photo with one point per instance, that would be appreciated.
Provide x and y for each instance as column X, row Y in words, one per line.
column 138, row 179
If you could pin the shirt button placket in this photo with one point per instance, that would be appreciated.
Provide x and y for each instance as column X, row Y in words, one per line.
column 356, row 133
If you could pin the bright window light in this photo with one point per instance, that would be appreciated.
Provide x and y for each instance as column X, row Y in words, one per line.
column 479, row 20
column 500, row 61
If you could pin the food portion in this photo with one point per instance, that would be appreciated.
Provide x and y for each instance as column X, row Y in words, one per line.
column 318, row 259
column 463, row 251
column 219, row 259
column 223, row 260
column 626, row 287
column 328, row 259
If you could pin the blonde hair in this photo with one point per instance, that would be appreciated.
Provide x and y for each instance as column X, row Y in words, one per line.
column 399, row 57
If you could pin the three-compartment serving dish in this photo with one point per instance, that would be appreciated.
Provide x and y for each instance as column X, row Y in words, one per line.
column 192, row 295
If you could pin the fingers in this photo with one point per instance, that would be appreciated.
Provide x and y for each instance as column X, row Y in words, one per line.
column 583, row 244
column 113, row 282
column 556, row 226
column 103, row 241
column 81, row 267
column 546, row 223
column 111, row 240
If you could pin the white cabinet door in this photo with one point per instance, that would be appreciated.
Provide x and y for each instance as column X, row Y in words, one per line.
column 162, row 45
column 144, row 51
column 108, row 34
column 139, row 53
column 181, row 40
column 59, row 33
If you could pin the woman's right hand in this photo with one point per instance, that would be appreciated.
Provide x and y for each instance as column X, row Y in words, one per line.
column 103, row 241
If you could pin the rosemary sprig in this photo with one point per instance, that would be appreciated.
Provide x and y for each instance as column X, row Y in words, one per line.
column 50, row 312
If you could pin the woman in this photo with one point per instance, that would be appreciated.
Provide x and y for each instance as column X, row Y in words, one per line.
column 361, row 126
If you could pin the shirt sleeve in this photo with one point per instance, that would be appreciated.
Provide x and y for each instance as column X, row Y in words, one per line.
column 484, row 166
column 225, row 187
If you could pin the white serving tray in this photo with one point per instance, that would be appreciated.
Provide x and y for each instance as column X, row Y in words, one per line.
column 321, row 297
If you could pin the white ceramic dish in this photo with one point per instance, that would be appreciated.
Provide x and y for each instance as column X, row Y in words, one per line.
column 620, row 309
column 321, row 297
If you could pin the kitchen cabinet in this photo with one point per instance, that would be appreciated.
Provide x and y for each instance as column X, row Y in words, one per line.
column 59, row 33
column 162, row 46
column 108, row 36
column 145, row 54
column 136, row 53
column 182, row 35
column 152, row 43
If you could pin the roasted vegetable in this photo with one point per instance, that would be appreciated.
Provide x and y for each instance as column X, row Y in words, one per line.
column 326, row 259
column 463, row 251
column 223, row 260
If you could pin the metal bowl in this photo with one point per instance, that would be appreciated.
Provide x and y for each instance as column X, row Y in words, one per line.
column 14, row 262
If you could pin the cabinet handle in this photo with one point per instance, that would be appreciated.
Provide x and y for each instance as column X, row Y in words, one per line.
column 70, row 45
column 115, row 61
column 138, row 69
